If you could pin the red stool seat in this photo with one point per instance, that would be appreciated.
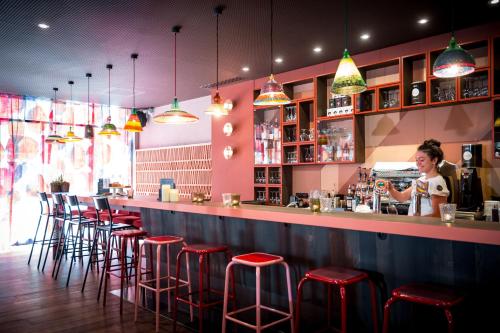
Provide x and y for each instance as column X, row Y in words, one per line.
column 428, row 294
column 205, row 248
column 129, row 233
column 126, row 219
column 137, row 224
column 438, row 296
column 257, row 259
column 336, row 275
column 90, row 214
column 160, row 240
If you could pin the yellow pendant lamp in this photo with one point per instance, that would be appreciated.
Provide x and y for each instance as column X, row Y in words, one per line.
column 217, row 107
column 133, row 123
column 175, row 115
column 271, row 92
column 53, row 137
column 109, row 128
column 70, row 135
column 348, row 79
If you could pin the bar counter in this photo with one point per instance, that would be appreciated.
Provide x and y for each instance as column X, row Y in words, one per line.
column 428, row 227
column 394, row 250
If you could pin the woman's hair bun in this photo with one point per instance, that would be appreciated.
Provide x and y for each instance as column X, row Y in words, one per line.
column 432, row 142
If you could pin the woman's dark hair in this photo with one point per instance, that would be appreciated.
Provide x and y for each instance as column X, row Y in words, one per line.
column 433, row 149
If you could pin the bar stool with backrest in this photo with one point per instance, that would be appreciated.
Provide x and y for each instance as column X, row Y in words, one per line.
column 47, row 213
column 57, row 227
column 203, row 251
column 102, row 233
column 341, row 277
column 440, row 297
column 257, row 260
column 155, row 282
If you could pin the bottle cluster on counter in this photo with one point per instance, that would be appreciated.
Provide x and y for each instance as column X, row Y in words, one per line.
column 362, row 192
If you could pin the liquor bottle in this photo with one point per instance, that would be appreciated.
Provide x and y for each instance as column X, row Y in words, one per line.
column 348, row 199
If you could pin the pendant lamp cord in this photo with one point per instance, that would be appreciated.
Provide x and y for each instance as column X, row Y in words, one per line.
column 271, row 36
column 346, row 20
column 452, row 18
column 109, row 91
column 55, row 109
column 133, row 84
column 88, row 99
column 217, row 54
column 175, row 64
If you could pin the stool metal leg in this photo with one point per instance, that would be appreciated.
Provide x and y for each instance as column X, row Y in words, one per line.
column 34, row 238
column 373, row 296
column 139, row 280
column 343, row 310
column 190, row 290
column 43, row 240
column 290, row 300
column 257, row 300
column 168, row 274
column 299, row 300
column 387, row 314
column 449, row 318
column 200, row 307
column 158, row 281
column 226, row 295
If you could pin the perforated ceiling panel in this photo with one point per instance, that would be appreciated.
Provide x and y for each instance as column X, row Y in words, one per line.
column 85, row 35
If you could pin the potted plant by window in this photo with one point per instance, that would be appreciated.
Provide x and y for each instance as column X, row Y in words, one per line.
column 59, row 185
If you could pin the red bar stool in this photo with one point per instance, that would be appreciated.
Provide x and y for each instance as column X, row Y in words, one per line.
column 47, row 213
column 341, row 277
column 441, row 297
column 154, row 284
column 257, row 260
column 203, row 251
column 123, row 236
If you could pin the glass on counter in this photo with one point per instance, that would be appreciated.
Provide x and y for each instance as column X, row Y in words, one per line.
column 267, row 136
column 335, row 141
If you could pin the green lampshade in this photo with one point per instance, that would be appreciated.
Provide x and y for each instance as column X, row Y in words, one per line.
column 271, row 94
column 53, row 138
column 348, row 79
column 109, row 128
column 175, row 115
column 454, row 61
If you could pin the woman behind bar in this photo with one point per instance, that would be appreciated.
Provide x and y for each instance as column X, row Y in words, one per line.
column 431, row 185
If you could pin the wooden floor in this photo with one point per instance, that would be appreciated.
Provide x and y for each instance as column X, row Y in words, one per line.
column 32, row 301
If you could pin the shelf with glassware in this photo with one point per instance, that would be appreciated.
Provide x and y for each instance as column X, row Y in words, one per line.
column 465, row 88
column 272, row 184
column 414, row 81
column 495, row 66
column 340, row 141
column 496, row 127
column 267, row 135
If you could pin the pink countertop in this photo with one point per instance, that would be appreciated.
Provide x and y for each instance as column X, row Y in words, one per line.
column 466, row 231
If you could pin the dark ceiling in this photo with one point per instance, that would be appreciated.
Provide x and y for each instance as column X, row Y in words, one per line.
column 85, row 35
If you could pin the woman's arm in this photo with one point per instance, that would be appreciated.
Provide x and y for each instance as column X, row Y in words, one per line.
column 435, row 201
column 399, row 196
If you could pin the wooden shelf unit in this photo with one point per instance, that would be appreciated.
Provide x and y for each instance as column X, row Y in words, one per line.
column 276, row 183
column 495, row 127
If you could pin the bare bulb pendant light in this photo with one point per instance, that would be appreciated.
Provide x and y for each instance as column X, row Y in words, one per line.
column 109, row 128
column 70, row 135
column 53, row 136
column 348, row 79
column 89, row 129
column 271, row 92
column 217, row 107
column 133, row 123
column 454, row 61
column 175, row 115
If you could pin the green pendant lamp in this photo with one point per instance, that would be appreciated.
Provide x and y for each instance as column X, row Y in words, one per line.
column 70, row 135
column 271, row 92
column 133, row 123
column 348, row 79
column 109, row 128
column 175, row 115
column 217, row 107
column 53, row 137
column 89, row 129
column 454, row 61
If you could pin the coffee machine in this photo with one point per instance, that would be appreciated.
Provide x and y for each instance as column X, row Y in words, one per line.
column 471, row 192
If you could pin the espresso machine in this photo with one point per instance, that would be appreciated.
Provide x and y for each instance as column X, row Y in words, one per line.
column 471, row 192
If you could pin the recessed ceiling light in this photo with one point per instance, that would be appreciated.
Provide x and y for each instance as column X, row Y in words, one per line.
column 245, row 68
column 423, row 21
column 43, row 26
column 279, row 60
column 317, row 49
column 365, row 36
column 494, row 2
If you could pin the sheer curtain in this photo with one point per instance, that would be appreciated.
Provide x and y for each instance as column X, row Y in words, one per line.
column 28, row 164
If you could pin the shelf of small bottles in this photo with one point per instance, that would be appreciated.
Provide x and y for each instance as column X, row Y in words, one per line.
column 335, row 142
column 267, row 136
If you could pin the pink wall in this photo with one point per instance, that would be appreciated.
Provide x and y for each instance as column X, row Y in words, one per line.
column 389, row 137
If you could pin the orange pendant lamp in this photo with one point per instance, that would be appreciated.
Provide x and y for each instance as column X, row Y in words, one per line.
column 175, row 115
column 70, row 135
column 109, row 128
column 133, row 123
column 271, row 92
column 217, row 107
column 53, row 136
